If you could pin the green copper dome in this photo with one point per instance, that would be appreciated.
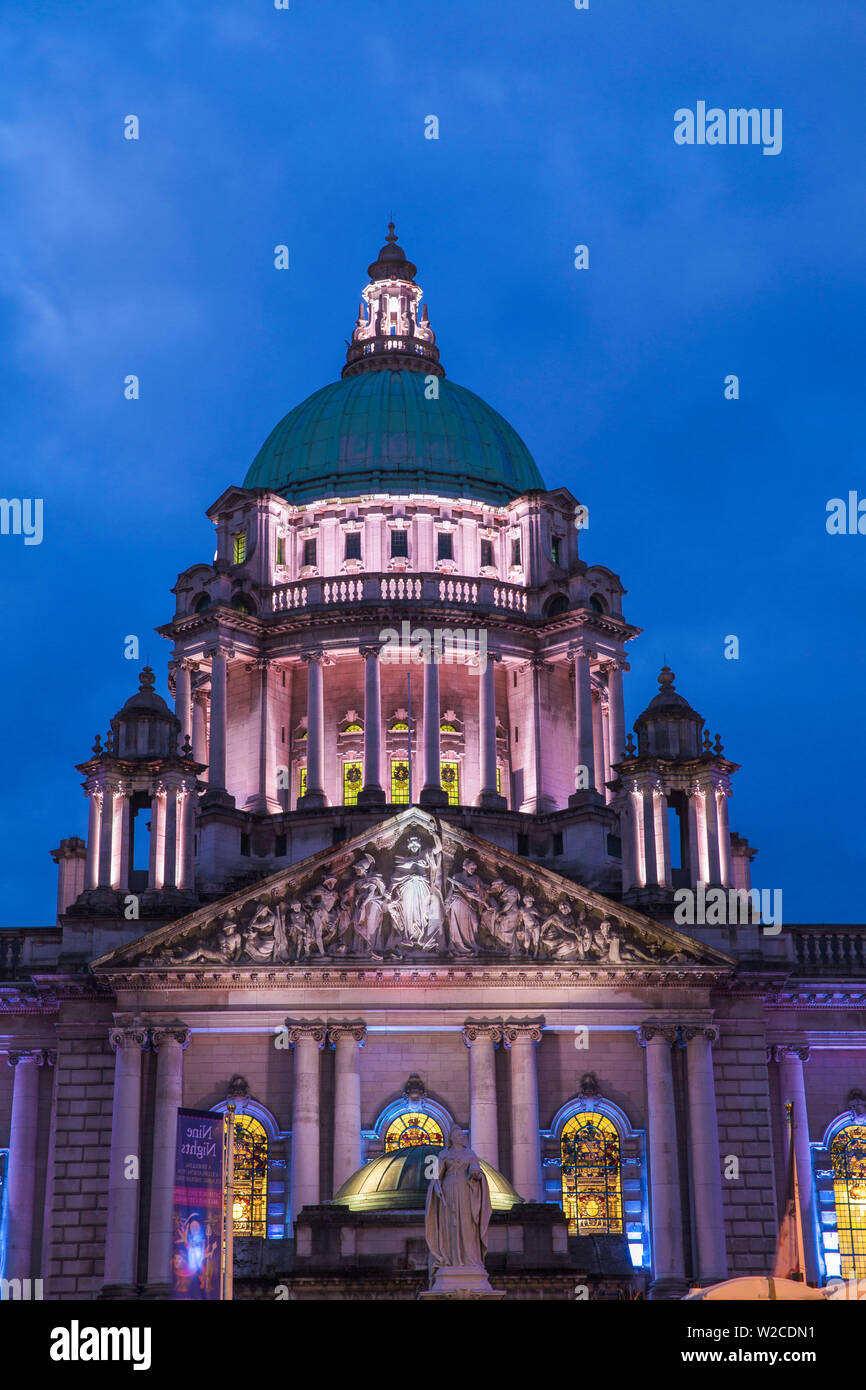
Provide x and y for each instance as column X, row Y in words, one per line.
column 377, row 432
column 396, row 1181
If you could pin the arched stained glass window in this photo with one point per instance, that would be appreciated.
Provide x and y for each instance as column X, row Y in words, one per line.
column 848, row 1155
column 352, row 778
column 399, row 782
column 354, row 729
column 450, row 774
column 591, row 1175
column 250, row 1198
column 401, row 727
column 411, row 1129
column 448, row 728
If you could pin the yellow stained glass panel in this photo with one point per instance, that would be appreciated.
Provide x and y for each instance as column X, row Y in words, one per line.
column 250, row 1193
column 450, row 775
column 410, row 1130
column 591, row 1175
column 399, row 781
column 352, row 779
column 848, row 1155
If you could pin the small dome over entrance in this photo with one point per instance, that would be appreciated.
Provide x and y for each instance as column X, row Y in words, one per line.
column 396, row 1182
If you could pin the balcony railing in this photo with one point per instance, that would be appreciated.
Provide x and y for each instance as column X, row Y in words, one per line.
column 827, row 950
column 398, row 588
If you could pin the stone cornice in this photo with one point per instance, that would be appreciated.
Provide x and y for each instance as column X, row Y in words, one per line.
column 494, row 976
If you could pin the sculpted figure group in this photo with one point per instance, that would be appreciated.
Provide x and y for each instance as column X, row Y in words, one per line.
column 408, row 906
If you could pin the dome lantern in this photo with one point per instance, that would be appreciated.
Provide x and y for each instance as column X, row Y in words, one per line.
column 390, row 333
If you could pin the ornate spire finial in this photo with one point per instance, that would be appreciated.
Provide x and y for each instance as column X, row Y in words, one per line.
column 392, row 235
column 666, row 678
column 147, row 680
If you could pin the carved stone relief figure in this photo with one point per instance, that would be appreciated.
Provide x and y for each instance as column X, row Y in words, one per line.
column 415, row 904
column 467, row 899
column 224, row 950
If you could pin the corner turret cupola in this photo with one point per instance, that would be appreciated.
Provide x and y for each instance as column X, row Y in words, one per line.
column 145, row 727
column 390, row 332
column 668, row 727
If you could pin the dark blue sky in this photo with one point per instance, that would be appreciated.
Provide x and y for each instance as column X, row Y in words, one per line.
column 306, row 127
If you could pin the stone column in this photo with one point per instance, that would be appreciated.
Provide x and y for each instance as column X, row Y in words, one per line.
column 347, row 1039
column 616, row 710
column 695, row 866
column 122, row 880
column 663, row 839
column 265, row 799
column 106, row 836
column 432, row 793
column 665, row 1211
column 584, row 725
column 170, row 865
column 651, row 875
column 182, row 698
column 372, row 792
column 314, row 796
column 711, row 830
column 186, row 798
column 219, row 655
column 21, row 1197
column 121, row 1232
column 488, row 795
column 155, row 870
column 481, row 1039
column 725, row 874
column 792, row 1087
column 199, row 731
column 169, row 1044
column 705, row 1160
column 598, row 741
column 307, row 1039
column 522, row 1039
column 91, row 872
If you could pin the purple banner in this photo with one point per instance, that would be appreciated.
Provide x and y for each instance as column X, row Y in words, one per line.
column 198, row 1205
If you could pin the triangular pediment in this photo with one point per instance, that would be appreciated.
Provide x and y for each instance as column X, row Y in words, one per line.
column 412, row 889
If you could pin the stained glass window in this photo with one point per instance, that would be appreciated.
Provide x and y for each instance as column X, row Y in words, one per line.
column 848, row 1154
column 352, row 778
column 239, row 548
column 450, row 774
column 399, row 782
column 411, row 1129
column 354, row 729
column 448, row 728
column 302, row 781
column 250, row 1198
column 591, row 1175
column 401, row 727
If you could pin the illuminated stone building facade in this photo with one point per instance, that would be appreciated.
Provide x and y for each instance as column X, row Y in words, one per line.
column 391, row 863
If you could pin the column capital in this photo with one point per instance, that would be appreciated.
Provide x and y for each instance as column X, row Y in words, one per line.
column 581, row 648
column 368, row 649
column 783, row 1052
column 220, row 648
column 261, row 663
column 339, row 1031
column 481, row 1028
column 614, row 663
column 700, row 1030
column 648, row 1032
column 177, row 1034
column 39, row 1056
column 182, row 663
column 298, row 1032
column 128, row 1037
column 518, row 1031
column 317, row 655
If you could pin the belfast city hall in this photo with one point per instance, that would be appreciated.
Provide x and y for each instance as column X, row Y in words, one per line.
column 392, row 860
